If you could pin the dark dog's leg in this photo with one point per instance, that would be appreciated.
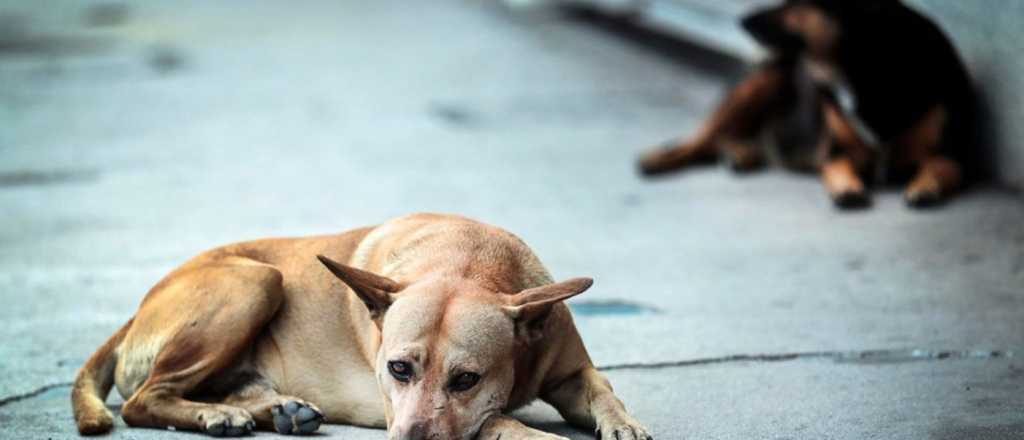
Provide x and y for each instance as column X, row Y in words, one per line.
column 847, row 159
column 208, row 316
column 936, row 176
column 740, row 117
column 843, row 183
column 586, row 400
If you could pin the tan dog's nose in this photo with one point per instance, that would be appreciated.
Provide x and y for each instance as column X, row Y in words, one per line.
column 415, row 431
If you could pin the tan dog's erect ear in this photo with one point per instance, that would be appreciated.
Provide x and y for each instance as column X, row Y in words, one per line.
column 375, row 291
column 531, row 307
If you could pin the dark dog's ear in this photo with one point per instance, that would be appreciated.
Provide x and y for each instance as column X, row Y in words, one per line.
column 876, row 3
column 766, row 26
column 531, row 307
column 868, row 6
column 377, row 292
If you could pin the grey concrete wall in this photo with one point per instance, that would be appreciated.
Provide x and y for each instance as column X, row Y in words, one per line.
column 990, row 37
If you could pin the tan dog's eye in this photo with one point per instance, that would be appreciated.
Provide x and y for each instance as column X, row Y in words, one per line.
column 463, row 382
column 400, row 370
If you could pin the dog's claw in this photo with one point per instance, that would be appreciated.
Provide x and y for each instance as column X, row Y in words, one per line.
column 627, row 431
column 295, row 417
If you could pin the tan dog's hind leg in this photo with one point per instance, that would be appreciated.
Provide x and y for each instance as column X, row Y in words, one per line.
column 586, row 399
column 208, row 315
column 502, row 427
column 739, row 117
column 92, row 385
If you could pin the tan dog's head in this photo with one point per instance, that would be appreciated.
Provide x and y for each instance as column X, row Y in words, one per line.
column 446, row 361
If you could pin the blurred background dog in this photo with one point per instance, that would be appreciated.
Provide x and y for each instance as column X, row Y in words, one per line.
column 861, row 91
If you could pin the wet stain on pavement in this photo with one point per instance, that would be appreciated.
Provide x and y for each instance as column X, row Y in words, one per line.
column 453, row 115
column 610, row 307
column 165, row 59
column 21, row 178
column 106, row 14
column 70, row 362
column 1003, row 432
column 18, row 38
column 1015, row 372
column 969, row 259
column 632, row 200
column 855, row 264
column 987, row 404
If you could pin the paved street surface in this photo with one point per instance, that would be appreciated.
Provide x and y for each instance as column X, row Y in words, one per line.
column 725, row 307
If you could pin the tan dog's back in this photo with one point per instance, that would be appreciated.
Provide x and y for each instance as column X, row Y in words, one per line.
column 408, row 247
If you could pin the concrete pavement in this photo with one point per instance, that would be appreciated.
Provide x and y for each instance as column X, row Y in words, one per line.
column 137, row 136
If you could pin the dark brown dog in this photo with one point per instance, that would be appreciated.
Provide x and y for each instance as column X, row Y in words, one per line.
column 890, row 94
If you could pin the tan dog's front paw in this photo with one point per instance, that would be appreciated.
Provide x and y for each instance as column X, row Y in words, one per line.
column 625, row 429
column 507, row 428
column 296, row 417
column 535, row 435
column 225, row 421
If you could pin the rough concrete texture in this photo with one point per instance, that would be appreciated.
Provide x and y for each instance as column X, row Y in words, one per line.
column 137, row 136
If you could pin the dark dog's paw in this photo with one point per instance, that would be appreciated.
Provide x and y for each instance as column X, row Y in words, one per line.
column 296, row 417
column 925, row 191
column 923, row 198
column 741, row 157
column 226, row 421
column 849, row 200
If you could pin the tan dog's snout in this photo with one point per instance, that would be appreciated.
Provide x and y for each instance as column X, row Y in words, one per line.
column 418, row 430
column 417, row 422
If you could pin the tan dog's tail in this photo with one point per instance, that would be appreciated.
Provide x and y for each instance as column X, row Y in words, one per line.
column 88, row 397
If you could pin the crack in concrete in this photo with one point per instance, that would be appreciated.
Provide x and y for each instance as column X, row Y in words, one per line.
column 847, row 357
column 30, row 394
column 844, row 357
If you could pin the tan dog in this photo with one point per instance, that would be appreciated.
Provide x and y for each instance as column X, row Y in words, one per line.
column 445, row 325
